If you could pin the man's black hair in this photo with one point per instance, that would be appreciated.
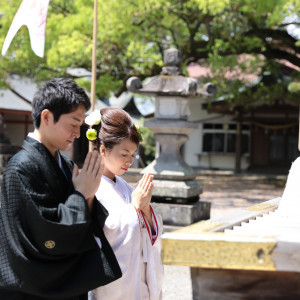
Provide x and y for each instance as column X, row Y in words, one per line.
column 60, row 96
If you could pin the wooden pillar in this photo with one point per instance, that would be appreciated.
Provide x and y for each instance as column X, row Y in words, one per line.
column 238, row 143
column 299, row 131
column 26, row 127
column 94, row 62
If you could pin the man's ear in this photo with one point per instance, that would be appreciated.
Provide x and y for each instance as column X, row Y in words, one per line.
column 46, row 116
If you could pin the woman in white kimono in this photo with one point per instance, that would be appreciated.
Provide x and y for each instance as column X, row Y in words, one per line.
column 132, row 228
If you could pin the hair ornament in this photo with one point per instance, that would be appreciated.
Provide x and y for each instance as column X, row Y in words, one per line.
column 94, row 118
column 91, row 134
column 138, row 129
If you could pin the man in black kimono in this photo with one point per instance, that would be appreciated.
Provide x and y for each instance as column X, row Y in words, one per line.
column 49, row 216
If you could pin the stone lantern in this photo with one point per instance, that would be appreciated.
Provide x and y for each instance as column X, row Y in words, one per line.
column 7, row 150
column 176, row 192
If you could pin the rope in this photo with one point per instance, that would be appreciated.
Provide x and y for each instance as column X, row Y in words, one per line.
column 274, row 127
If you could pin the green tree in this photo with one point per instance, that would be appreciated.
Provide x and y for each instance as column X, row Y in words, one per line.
column 132, row 36
column 147, row 146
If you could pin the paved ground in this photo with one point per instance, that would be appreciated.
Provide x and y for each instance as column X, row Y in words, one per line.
column 226, row 193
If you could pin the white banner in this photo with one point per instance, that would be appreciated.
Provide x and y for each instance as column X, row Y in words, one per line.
column 33, row 14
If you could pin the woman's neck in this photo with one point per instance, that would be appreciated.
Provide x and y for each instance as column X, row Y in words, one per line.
column 109, row 175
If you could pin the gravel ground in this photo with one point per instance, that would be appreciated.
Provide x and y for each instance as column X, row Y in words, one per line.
column 177, row 283
column 226, row 194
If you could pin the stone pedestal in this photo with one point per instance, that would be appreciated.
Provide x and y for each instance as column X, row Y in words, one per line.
column 6, row 149
column 170, row 135
column 176, row 192
column 182, row 214
column 184, row 191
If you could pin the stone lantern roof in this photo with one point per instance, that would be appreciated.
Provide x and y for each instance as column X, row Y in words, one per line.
column 171, row 81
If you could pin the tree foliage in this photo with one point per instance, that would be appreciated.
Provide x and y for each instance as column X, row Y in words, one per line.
column 132, row 36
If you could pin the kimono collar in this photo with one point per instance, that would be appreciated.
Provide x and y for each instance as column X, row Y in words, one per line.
column 52, row 170
column 112, row 182
column 32, row 142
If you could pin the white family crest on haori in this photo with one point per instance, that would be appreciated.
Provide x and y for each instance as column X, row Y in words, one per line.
column 33, row 14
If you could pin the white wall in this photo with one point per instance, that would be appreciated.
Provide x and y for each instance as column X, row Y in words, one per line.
column 193, row 154
column 221, row 161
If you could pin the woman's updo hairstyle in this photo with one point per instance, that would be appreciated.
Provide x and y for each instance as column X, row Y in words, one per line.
column 115, row 126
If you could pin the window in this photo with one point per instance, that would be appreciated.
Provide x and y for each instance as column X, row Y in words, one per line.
column 221, row 138
column 213, row 142
column 277, row 146
column 293, row 151
column 230, row 143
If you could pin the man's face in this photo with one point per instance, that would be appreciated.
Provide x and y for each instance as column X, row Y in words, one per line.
column 61, row 135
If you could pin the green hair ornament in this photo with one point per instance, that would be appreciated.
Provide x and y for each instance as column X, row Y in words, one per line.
column 138, row 129
column 91, row 134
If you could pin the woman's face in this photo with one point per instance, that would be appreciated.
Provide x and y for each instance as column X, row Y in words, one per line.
column 118, row 159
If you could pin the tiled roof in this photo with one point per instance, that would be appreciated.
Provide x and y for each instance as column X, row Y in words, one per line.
column 10, row 101
column 25, row 87
column 21, row 92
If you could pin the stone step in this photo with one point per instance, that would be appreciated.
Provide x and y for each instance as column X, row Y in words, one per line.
column 8, row 149
column 4, row 158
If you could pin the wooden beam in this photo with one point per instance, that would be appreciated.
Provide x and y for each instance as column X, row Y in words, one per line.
column 26, row 122
column 15, row 112
column 205, row 245
column 208, row 250
column 244, row 284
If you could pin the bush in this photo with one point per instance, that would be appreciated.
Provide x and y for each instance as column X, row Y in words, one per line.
column 147, row 146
